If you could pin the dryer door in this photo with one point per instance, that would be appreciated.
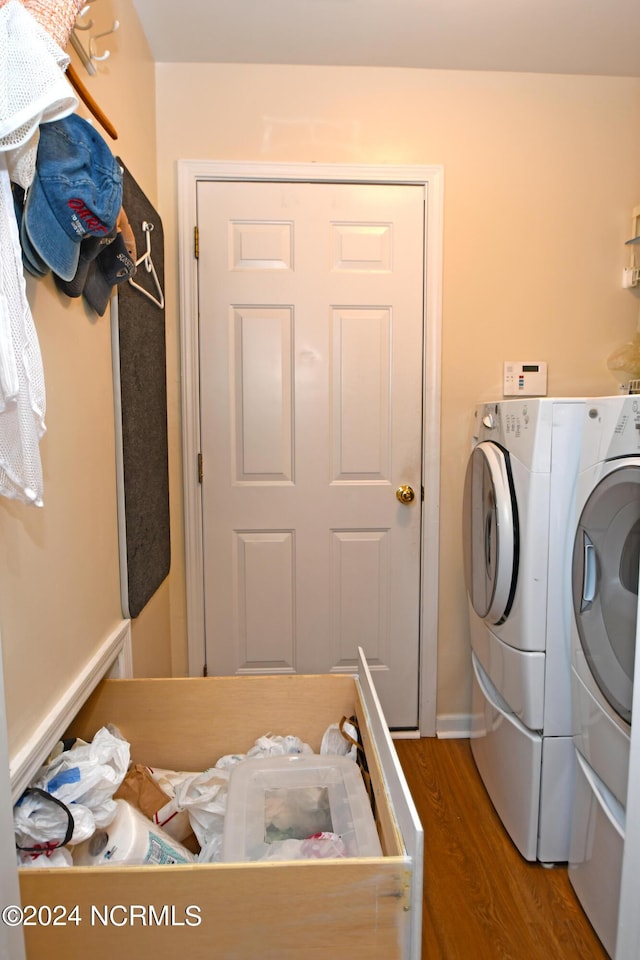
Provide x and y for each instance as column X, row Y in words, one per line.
column 490, row 522
column 605, row 582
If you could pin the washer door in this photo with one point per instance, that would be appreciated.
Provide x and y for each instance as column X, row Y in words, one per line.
column 605, row 583
column 490, row 521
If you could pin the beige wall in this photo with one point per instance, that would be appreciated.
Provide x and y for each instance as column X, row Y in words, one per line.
column 541, row 173
column 540, row 177
column 59, row 566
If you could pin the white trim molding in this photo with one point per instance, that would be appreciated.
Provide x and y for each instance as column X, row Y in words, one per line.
column 432, row 179
column 11, row 938
column 112, row 658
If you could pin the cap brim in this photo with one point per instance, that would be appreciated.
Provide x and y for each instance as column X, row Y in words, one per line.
column 113, row 266
column 90, row 248
column 97, row 292
column 47, row 238
column 31, row 268
column 30, row 258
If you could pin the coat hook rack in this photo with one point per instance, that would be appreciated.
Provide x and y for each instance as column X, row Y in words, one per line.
column 88, row 57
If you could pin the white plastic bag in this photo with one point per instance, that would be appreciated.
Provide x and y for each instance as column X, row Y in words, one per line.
column 335, row 743
column 266, row 746
column 60, row 857
column 204, row 797
column 270, row 746
column 42, row 823
column 85, row 779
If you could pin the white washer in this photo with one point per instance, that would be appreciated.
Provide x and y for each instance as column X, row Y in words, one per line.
column 518, row 508
column 603, row 635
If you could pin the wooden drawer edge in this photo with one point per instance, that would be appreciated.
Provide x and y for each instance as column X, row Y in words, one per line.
column 390, row 836
column 398, row 799
column 348, row 909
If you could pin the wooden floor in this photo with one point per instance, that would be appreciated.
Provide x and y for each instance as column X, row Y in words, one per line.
column 482, row 900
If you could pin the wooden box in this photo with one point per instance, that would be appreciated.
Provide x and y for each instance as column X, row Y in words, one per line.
column 309, row 910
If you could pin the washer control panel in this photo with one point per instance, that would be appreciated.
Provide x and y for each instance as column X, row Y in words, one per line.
column 611, row 428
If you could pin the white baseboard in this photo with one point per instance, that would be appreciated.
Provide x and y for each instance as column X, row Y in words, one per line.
column 113, row 658
column 453, row 725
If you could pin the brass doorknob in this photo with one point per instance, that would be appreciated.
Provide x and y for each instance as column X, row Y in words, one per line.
column 405, row 494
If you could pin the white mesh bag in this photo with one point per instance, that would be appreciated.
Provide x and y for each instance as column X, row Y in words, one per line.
column 22, row 404
column 33, row 90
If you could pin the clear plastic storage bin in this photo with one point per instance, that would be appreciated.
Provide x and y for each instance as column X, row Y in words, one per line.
column 303, row 806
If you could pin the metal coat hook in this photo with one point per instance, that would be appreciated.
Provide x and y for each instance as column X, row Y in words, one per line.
column 98, row 36
column 82, row 13
column 91, row 55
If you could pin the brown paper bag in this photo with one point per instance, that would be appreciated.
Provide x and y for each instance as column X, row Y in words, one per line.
column 140, row 790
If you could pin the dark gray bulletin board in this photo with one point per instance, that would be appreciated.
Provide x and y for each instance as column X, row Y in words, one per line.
column 139, row 362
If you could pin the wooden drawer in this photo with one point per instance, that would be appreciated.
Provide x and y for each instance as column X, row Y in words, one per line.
column 352, row 908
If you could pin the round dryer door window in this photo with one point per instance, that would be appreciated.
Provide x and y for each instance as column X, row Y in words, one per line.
column 605, row 583
column 490, row 524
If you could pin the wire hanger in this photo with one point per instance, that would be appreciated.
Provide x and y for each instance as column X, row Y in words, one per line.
column 150, row 268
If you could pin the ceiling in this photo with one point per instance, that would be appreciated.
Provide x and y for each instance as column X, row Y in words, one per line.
column 538, row 36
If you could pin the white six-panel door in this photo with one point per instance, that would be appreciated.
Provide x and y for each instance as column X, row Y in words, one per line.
column 310, row 335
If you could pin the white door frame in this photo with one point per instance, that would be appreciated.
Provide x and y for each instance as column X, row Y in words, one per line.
column 431, row 178
column 11, row 936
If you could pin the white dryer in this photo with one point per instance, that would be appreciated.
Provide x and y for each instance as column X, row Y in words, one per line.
column 605, row 600
column 518, row 507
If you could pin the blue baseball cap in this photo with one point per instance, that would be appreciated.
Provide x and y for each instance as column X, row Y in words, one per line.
column 76, row 193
